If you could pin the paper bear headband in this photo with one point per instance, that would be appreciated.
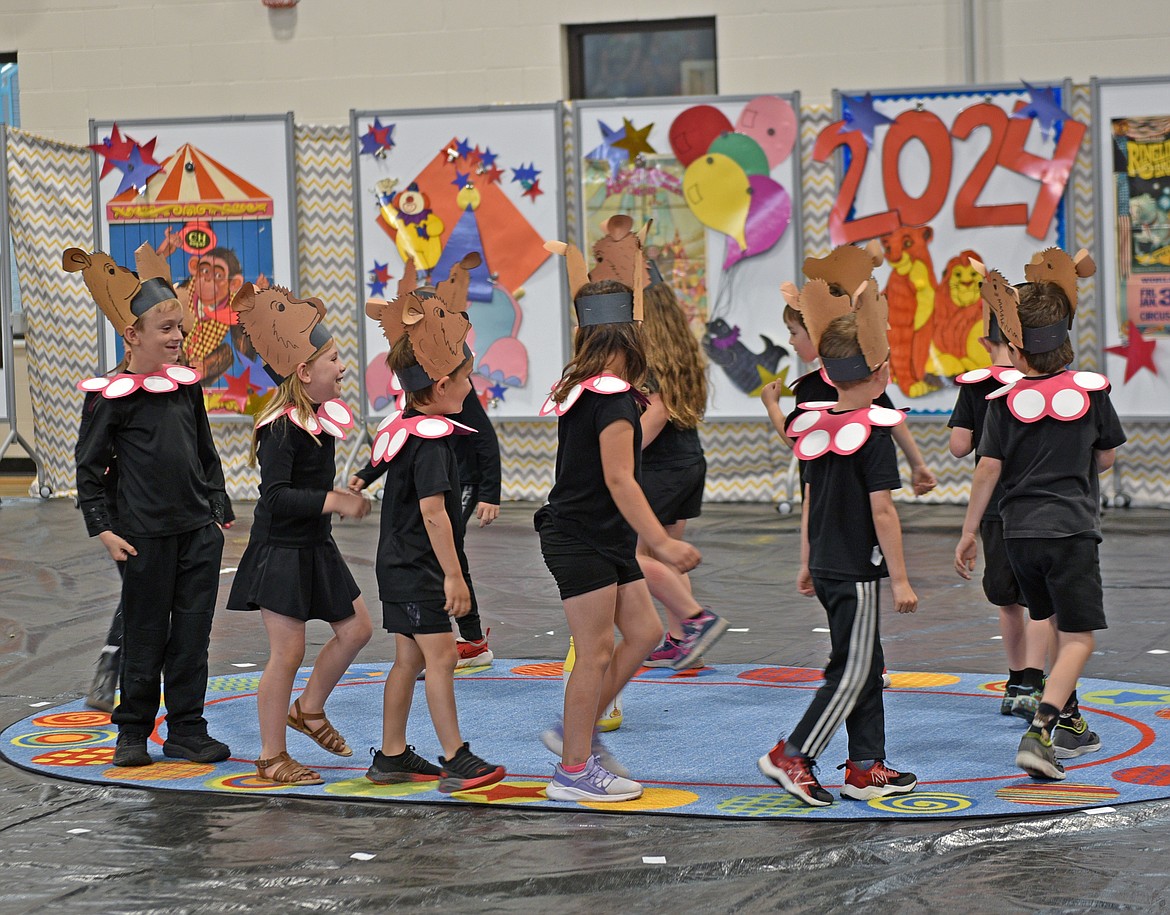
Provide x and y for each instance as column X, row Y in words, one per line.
column 435, row 319
column 122, row 294
column 284, row 330
column 619, row 257
column 1002, row 300
column 838, row 284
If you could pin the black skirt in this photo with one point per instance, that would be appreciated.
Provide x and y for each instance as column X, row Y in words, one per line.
column 304, row 583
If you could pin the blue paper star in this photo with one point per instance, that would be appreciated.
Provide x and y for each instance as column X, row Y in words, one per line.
column 463, row 147
column 135, row 171
column 497, row 391
column 607, row 152
column 378, row 140
column 525, row 174
column 487, row 157
column 861, row 115
column 462, row 179
column 1043, row 107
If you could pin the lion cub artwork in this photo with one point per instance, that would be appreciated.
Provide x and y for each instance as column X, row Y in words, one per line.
column 290, row 322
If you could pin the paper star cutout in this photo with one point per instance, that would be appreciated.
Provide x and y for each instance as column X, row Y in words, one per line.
column 137, row 168
column 525, row 174
column 462, row 179
column 634, row 140
column 463, row 148
column 379, row 277
column 493, row 174
column 533, row 190
column 497, row 391
column 474, row 156
column 1137, row 351
column 1043, row 107
column 487, row 157
column 238, row 389
column 378, row 140
column 861, row 115
column 607, row 152
column 114, row 148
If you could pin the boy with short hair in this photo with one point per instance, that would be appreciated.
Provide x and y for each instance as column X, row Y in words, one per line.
column 851, row 539
column 1046, row 439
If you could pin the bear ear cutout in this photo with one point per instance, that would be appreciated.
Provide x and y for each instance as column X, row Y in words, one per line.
column 74, row 259
column 245, row 298
column 1084, row 263
column 618, row 227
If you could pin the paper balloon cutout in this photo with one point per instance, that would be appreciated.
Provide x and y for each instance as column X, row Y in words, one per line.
column 693, row 130
column 768, row 216
column 718, row 192
column 744, row 150
column 771, row 122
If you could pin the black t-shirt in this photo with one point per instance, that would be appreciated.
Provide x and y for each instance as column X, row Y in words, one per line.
column 407, row 567
column 842, row 541
column 579, row 503
column 296, row 474
column 674, row 446
column 1049, row 473
column 478, row 454
column 169, row 478
column 970, row 412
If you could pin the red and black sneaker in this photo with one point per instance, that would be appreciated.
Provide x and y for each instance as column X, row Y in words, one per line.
column 407, row 766
column 795, row 775
column 879, row 780
column 465, row 771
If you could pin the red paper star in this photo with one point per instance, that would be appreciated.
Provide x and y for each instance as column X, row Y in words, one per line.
column 493, row 174
column 238, row 389
column 534, row 190
column 114, row 148
column 1137, row 351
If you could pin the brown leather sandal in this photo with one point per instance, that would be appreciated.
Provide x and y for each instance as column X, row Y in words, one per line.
column 325, row 736
column 282, row 769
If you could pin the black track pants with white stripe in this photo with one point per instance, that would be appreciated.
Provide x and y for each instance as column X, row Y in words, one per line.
column 852, row 692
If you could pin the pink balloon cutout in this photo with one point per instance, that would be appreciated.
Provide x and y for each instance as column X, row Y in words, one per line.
column 772, row 123
column 768, row 216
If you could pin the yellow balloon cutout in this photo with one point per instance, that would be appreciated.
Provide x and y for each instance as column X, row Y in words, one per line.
column 717, row 191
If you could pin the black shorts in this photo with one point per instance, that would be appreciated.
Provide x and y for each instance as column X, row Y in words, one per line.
column 1061, row 576
column 675, row 493
column 416, row 617
column 578, row 568
column 999, row 581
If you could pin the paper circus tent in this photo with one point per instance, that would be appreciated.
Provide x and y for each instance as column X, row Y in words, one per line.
column 206, row 204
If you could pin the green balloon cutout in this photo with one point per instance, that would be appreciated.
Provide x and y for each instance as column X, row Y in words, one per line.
column 744, row 150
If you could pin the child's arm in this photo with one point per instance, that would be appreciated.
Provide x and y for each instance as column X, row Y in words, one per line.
column 921, row 479
column 654, row 420
column 1104, row 459
column 438, row 525
column 617, row 464
column 770, row 396
column 486, row 446
column 889, row 535
column 367, row 475
column 962, row 442
column 804, row 582
column 982, row 485
column 94, row 454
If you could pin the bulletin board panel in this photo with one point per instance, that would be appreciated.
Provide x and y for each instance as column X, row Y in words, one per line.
column 435, row 185
column 720, row 177
column 221, row 205
column 6, row 281
column 943, row 176
column 1131, row 119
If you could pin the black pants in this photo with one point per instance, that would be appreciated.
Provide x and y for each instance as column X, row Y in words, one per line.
column 470, row 627
column 168, row 594
column 852, row 692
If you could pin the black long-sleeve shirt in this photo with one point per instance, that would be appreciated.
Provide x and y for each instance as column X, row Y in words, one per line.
column 479, row 454
column 296, row 474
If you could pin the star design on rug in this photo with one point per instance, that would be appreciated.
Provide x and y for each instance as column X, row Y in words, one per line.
column 861, row 115
column 1137, row 351
column 635, row 140
column 502, row 791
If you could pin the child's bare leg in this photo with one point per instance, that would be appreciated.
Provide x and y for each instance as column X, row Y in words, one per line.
column 591, row 619
column 1036, row 640
column 641, row 630
column 286, row 651
column 399, row 691
column 440, row 655
column 1073, row 653
column 669, row 586
column 1013, row 630
column 349, row 637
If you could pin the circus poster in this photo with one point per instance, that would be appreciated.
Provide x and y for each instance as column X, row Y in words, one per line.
column 216, row 199
column 944, row 178
column 719, row 180
column 434, row 186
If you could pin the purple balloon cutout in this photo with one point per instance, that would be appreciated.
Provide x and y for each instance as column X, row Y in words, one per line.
column 768, row 216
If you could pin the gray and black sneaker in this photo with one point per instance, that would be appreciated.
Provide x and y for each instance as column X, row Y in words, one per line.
column 1009, row 699
column 465, row 771
column 130, row 750
column 407, row 766
column 1026, row 702
column 198, row 747
column 1072, row 738
column 1037, row 756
